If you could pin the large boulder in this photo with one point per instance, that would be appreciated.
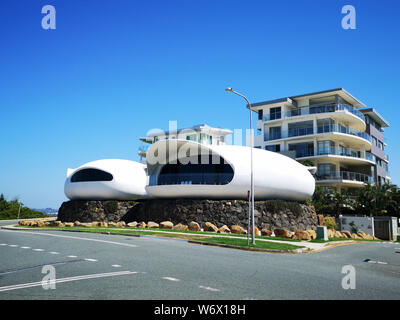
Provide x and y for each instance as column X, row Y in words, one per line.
column 166, row 225
column 331, row 233
column 346, row 233
column 363, row 235
column 237, row 229
column 77, row 223
column 103, row 224
column 180, row 226
column 312, row 233
column 301, row 235
column 257, row 232
column 141, row 225
column 266, row 232
column 121, row 224
column 208, row 226
column 152, row 224
column 194, row 226
column 132, row 224
column 69, row 224
column 112, row 224
column 224, row 229
column 282, row 233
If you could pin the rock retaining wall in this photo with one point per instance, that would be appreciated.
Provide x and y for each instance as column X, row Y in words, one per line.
column 269, row 214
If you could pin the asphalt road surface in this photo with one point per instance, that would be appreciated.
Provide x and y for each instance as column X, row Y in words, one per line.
column 97, row 266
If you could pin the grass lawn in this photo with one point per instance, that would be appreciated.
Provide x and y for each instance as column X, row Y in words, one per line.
column 155, row 231
column 243, row 243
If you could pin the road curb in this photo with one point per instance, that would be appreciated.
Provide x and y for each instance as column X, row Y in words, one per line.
column 294, row 251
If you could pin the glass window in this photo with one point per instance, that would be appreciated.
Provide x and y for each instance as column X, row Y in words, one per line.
column 305, row 149
column 260, row 114
column 273, row 148
column 300, row 128
column 325, row 125
column 86, row 175
column 326, row 147
column 192, row 137
column 215, row 172
column 275, row 113
column 274, row 133
column 326, row 170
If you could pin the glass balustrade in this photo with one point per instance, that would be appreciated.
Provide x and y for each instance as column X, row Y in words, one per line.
column 295, row 132
column 315, row 109
column 306, row 152
column 346, row 175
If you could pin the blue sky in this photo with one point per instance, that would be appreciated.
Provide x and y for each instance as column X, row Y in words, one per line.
column 112, row 70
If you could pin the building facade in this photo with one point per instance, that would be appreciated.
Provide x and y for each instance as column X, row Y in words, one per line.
column 331, row 130
column 201, row 133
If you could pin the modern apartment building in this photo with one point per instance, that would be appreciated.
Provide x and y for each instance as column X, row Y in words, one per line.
column 201, row 133
column 333, row 130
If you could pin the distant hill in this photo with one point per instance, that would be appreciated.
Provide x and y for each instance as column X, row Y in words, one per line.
column 48, row 211
column 9, row 210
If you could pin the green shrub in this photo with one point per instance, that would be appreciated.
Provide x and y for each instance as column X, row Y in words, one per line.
column 330, row 223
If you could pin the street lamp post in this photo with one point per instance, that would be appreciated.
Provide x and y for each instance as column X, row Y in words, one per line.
column 251, row 165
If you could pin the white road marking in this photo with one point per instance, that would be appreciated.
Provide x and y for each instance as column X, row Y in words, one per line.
column 171, row 279
column 3, row 244
column 53, row 252
column 61, row 280
column 116, row 266
column 379, row 262
column 13, row 245
column 25, row 247
column 91, row 260
column 72, row 256
column 38, row 250
column 72, row 237
column 209, row 288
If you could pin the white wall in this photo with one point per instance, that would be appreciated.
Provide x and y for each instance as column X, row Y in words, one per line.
column 365, row 224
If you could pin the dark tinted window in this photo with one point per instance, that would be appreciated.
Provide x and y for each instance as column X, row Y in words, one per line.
column 91, row 175
column 201, row 173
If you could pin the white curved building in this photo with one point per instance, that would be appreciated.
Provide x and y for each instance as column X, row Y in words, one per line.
column 187, row 169
column 110, row 179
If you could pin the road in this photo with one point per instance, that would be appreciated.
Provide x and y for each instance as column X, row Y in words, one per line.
column 98, row 266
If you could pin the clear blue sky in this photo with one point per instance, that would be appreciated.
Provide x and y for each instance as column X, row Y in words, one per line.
column 112, row 70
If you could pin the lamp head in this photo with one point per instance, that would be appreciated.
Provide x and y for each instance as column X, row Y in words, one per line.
column 229, row 89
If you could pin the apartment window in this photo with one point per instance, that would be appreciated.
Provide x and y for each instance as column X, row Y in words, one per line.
column 275, row 113
column 274, row 133
column 326, row 170
column 90, row 175
column 325, row 125
column 260, row 114
column 305, row 149
column 192, row 137
column 300, row 128
column 273, row 148
column 374, row 141
column 380, row 145
column 326, row 147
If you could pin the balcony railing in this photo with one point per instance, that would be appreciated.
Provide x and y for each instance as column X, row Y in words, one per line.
column 302, row 153
column 314, row 109
column 295, row 132
column 345, row 175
